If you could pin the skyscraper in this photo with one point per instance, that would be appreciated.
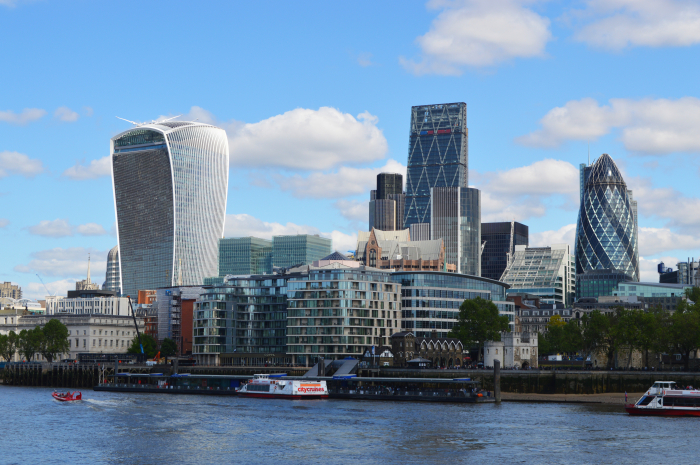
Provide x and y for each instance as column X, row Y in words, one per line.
column 245, row 256
column 607, row 231
column 301, row 249
column 112, row 276
column 170, row 184
column 386, row 205
column 437, row 156
column 496, row 239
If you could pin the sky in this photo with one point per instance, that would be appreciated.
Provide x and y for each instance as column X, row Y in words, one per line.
column 315, row 98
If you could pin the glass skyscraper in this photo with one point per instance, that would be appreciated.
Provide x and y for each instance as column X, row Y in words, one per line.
column 245, row 256
column 112, row 279
column 437, row 156
column 170, row 184
column 496, row 240
column 386, row 203
column 301, row 249
column 607, row 231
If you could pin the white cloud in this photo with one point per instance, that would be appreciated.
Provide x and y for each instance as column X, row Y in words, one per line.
column 62, row 228
column 653, row 241
column 96, row 168
column 648, row 268
column 91, row 229
column 647, row 126
column 364, row 59
column 618, row 24
column 19, row 163
column 479, row 33
column 342, row 183
column 66, row 115
column 564, row 235
column 28, row 115
column 4, row 222
column 37, row 291
column 88, row 111
column 353, row 210
column 308, row 140
column 679, row 211
column 68, row 262
column 243, row 225
column 525, row 192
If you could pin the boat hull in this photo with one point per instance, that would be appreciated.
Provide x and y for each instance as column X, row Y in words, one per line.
column 661, row 412
column 261, row 395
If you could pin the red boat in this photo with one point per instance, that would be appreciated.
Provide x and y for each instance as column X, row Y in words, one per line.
column 67, row 396
column 667, row 399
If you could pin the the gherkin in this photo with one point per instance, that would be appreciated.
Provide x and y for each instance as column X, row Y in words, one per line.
column 606, row 233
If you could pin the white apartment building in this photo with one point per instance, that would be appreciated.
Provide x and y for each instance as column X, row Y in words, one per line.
column 116, row 306
column 95, row 334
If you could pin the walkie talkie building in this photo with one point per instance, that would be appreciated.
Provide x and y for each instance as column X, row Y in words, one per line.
column 170, row 184
column 606, row 233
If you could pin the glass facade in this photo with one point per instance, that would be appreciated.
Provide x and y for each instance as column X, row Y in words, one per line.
column 496, row 240
column 112, row 282
column 598, row 283
column 456, row 218
column 437, row 156
column 245, row 256
column 246, row 315
column 301, row 249
column 547, row 272
column 170, row 184
column 430, row 300
column 606, row 232
column 337, row 313
column 387, row 202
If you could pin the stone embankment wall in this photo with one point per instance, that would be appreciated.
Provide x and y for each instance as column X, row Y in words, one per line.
column 45, row 375
column 556, row 382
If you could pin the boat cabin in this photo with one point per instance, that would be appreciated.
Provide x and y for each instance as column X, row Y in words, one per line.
column 660, row 386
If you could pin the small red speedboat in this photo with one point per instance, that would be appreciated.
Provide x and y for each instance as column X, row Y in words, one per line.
column 67, row 396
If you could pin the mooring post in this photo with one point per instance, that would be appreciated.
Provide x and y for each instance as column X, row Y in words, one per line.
column 497, row 380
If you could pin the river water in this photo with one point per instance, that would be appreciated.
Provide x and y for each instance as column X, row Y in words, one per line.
column 167, row 429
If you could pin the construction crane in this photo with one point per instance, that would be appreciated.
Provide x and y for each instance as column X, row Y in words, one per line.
column 138, row 333
column 42, row 282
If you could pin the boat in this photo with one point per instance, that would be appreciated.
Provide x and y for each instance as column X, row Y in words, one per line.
column 67, row 396
column 667, row 399
column 277, row 387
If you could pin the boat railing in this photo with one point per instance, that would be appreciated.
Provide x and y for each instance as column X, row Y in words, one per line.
column 175, row 388
column 405, row 392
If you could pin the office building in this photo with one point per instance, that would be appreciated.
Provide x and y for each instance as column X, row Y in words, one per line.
column 95, row 305
column 393, row 250
column 245, row 256
column 340, row 309
column 606, row 231
column 437, row 156
column 13, row 291
column 665, row 296
column 301, row 249
column 175, row 315
column 547, row 272
column 496, row 240
column 170, row 184
column 430, row 300
column 687, row 273
column 387, row 202
column 112, row 275
column 455, row 217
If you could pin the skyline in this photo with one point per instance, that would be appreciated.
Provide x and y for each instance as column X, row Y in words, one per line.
column 312, row 118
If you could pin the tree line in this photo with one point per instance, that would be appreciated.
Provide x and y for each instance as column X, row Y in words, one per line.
column 49, row 341
column 654, row 331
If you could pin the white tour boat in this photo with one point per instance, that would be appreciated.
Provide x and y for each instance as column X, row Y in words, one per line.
column 277, row 387
column 667, row 399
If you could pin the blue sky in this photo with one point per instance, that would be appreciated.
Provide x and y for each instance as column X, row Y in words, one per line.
column 316, row 98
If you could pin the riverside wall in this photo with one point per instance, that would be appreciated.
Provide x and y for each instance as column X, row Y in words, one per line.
column 556, row 382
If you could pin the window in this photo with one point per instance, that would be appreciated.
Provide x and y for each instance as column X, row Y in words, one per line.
column 84, row 343
column 93, row 342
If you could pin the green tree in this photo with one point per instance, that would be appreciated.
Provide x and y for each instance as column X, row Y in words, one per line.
column 601, row 334
column 544, row 347
column 168, row 348
column 149, row 346
column 55, row 340
column 572, row 340
column 29, row 342
column 8, row 345
column 693, row 294
column 684, row 333
column 479, row 322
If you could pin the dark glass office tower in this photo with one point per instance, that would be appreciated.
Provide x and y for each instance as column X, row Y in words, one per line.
column 437, row 156
column 496, row 240
column 386, row 204
column 607, row 232
column 170, row 184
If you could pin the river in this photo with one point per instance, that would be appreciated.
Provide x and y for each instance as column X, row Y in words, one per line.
column 167, row 429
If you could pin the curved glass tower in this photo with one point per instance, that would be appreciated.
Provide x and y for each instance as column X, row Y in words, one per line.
column 112, row 282
column 170, row 183
column 606, row 233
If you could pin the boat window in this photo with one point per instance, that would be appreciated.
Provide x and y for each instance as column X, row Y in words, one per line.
column 645, row 400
